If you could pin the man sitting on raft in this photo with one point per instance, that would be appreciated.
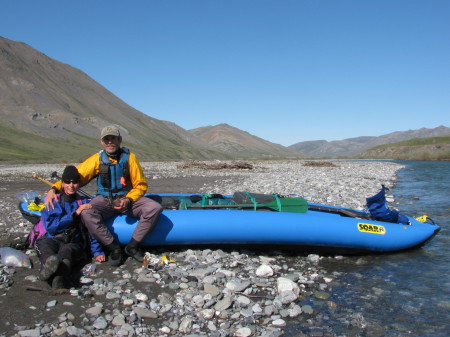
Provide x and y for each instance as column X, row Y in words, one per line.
column 121, row 187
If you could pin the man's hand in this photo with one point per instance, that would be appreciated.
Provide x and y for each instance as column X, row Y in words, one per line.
column 122, row 204
column 50, row 198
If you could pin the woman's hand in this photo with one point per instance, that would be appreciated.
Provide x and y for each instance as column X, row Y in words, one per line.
column 82, row 208
column 50, row 198
column 100, row 258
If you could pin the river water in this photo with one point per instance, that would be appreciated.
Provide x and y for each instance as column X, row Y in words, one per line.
column 401, row 294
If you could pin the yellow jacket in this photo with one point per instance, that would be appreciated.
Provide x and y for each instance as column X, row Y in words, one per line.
column 90, row 168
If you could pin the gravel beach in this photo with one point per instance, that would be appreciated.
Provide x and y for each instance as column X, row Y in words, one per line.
column 203, row 292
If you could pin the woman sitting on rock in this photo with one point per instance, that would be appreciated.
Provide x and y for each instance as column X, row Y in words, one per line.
column 65, row 241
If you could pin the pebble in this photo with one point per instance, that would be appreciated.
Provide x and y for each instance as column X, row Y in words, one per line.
column 212, row 291
column 52, row 304
column 100, row 323
column 321, row 295
column 74, row 331
column 279, row 322
column 30, row 333
column 145, row 313
column 243, row 332
column 94, row 311
column 224, row 304
column 264, row 271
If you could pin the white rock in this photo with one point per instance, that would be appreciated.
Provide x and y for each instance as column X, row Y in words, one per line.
column 257, row 308
column 94, row 311
column 165, row 329
column 285, row 284
column 243, row 332
column 279, row 322
column 264, row 271
column 207, row 313
column 294, row 311
column 287, row 296
column 313, row 258
column 128, row 302
column 142, row 297
column 51, row 304
column 86, row 280
column 185, row 325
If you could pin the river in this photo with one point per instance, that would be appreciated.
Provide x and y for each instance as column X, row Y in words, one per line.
column 402, row 294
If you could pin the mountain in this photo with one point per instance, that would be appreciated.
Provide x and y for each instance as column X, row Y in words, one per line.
column 432, row 148
column 228, row 139
column 352, row 147
column 52, row 112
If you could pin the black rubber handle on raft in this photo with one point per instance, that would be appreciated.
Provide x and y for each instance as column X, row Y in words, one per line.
column 343, row 211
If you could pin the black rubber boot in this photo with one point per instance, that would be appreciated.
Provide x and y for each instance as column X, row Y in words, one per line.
column 62, row 275
column 49, row 268
column 116, row 255
column 132, row 249
column 58, row 282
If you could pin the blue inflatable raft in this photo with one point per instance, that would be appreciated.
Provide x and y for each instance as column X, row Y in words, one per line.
column 270, row 221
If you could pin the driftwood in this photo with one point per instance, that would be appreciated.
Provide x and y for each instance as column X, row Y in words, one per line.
column 51, row 292
column 216, row 166
column 320, row 164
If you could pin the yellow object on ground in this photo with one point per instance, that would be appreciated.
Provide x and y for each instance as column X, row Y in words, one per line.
column 36, row 207
column 166, row 260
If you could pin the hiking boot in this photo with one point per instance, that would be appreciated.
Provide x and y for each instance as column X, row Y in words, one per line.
column 135, row 252
column 58, row 282
column 115, row 254
column 116, row 257
column 49, row 268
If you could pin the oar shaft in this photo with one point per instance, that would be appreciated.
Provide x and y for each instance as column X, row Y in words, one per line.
column 34, row 175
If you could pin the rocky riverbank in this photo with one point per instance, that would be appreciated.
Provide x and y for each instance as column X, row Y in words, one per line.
column 196, row 292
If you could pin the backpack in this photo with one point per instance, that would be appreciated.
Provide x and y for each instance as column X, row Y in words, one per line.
column 39, row 231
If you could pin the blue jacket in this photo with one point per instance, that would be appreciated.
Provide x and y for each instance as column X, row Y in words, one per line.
column 62, row 217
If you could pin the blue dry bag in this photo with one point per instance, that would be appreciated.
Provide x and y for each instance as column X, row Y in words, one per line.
column 380, row 211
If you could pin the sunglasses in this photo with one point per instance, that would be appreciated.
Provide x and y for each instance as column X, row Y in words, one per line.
column 71, row 181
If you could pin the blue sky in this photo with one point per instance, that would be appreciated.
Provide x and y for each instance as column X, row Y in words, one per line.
column 285, row 71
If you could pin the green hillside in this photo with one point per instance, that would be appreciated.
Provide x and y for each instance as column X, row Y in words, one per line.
column 433, row 148
column 21, row 147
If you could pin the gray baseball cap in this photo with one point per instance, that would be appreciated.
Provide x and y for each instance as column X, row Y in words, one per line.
column 110, row 130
